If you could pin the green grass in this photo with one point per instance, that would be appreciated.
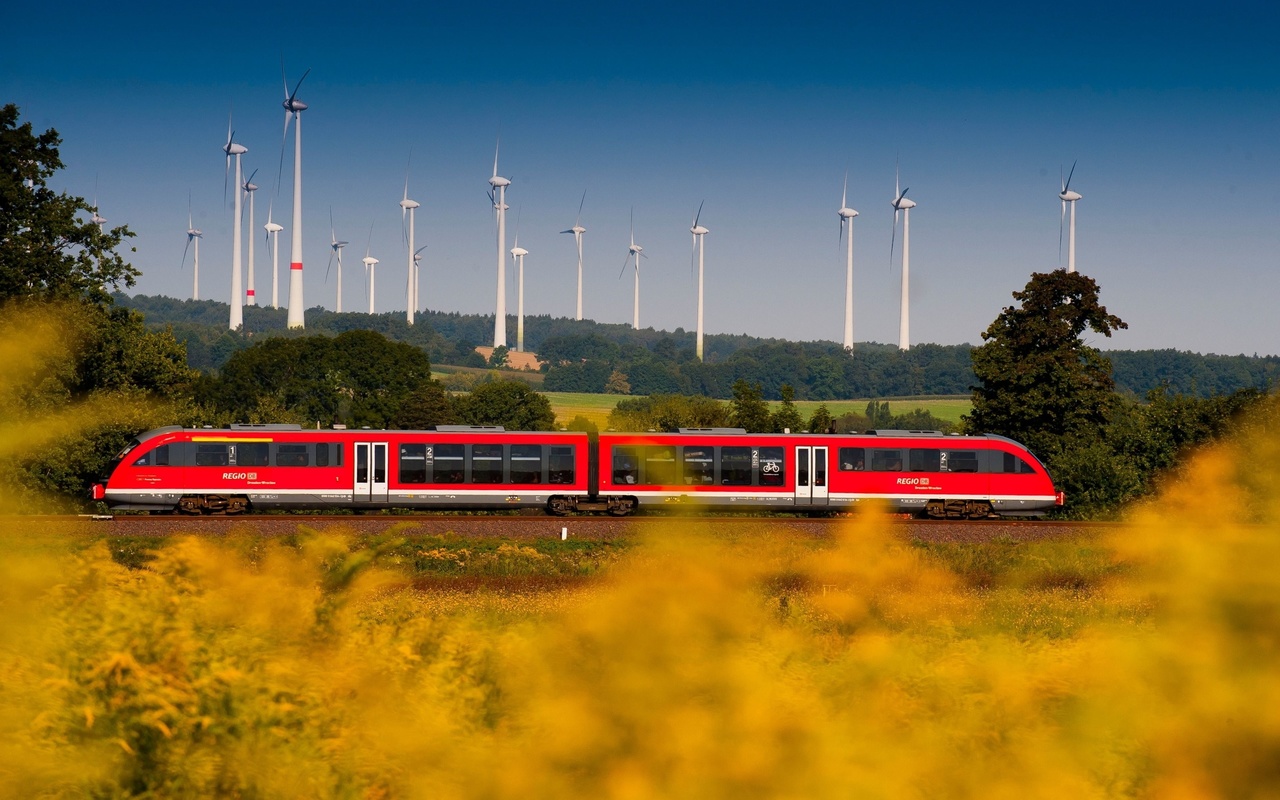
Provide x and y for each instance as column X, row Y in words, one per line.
column 596, row 407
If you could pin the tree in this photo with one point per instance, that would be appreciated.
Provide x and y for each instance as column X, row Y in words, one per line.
column 431, row 404
column 498, row 358
column 879, row 415
column 1039, row 382
column 821, row 421
column 46, row 250
column 617, row 384
column 511, row 404
column 786, row 418
column 668, row 412
column 748, row 409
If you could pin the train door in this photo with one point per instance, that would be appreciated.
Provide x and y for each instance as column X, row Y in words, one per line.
column 370, row 472
column 811, row 476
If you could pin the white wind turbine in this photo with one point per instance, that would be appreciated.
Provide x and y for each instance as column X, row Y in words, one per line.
column 97, row 219
column 237, row 150
column 904, row 204
column 293, row 108
column 1068, row 196
column 273, row 235
column 498, row 196
column 634, row 251
column 408, row 206
column 517, row 255
column 336, row 246
column 577, row 230
column 846, row 215
column 193, row 234
column 699, row 234
column 369, row 264
column 249, row 189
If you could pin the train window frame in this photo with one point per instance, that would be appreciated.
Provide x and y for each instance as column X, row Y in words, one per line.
column 444, row 451
column 488, row 454
column 704, row 473
column 924, row 459
column 771, row 455
column 558, row 455
column 293, row 454
column 736, row 475
column 206, row 454
column 322, row 454
column 156, row 457
column 852, row 459
column 965, row 458
column 661, row 465
column 884, row 459
column 625, row 465
column 418, row 473
column 253, row 454
column 529, row 470
column 1014, row 464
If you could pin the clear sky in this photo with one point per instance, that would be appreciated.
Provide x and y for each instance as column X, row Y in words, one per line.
column 759, row 109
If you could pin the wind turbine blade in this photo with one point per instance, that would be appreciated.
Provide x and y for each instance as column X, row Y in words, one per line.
column 368, row 244
column 625, row 262
column 893, row 238
column 419, row 250
column 284, row 140
column 283, row 78
column 577, row 222
column 299, row 86
column 1067, row 185
column 495, row 156
column 698, row 216
column 183, row 265
column 249, row 179
column 844, row 195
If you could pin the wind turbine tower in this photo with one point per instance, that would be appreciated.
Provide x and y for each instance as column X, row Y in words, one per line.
column 293, row 108
column 699, row 232
column 846, row 215
column 634, row 251
column 498, row 195
column 407, row 206
column 577, row 230
column 1069, row 196
column 369, row 264
column 517, row 255
column 249, row 189
column 193, row 235
column 904, row 204
column 336, row 246
column 273, row 234
column 237, row 310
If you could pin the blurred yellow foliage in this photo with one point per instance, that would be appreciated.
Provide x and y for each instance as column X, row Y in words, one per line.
column 700, row 664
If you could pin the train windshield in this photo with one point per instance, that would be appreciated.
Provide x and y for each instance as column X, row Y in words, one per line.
column 115, row 462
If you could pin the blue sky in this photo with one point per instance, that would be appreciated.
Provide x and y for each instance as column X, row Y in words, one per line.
column 759, row 110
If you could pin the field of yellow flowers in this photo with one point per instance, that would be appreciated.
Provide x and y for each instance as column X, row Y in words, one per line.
column 688, row 664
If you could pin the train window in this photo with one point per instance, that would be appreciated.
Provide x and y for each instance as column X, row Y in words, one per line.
column 626, row 465
column 772, row 471
column 959, row 461
column 699, row 466
column 886, row 461
column 253, row 454
column 339, row 461
column 322, row 455
column 526, row 463
column 447, row 463
column 212, row 455
column 928, row 460
column 1015, row 465
column 852, row 459
column 660, row 466
column 413, row 463
column 486, row 463
column 158, row 457
column 735, row 466
column 560, row 464
column 291, row 455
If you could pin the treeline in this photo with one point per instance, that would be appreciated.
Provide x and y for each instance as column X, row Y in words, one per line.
column 584, row 356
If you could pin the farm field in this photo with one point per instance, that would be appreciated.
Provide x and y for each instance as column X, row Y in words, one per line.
column 596, row 407
column 686, row 662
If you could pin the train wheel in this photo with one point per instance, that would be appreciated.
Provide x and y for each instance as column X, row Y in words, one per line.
column 979, row 509
column 621, row 506
column 559, row 506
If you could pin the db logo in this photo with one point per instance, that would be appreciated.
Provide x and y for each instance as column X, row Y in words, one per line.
column 913, row 481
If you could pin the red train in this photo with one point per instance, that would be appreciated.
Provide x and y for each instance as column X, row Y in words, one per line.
column 259, row 467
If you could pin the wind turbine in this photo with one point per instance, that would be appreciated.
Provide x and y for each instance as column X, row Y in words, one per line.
column 904, row 204
column 498, row 196
column 517, row 255
column 407, row 206
column 336, row 246
column 634, row 251
column 577, row 230
column 249, row 189
column 237, row 150
column 293, row 108
column 699, row 232
column 846, row 215
column 273, row 233
column 1068, row 196
column 369, row 264
column 193, row 235
column 97, row 219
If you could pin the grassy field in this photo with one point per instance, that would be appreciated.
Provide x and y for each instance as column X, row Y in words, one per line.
column 596, row 407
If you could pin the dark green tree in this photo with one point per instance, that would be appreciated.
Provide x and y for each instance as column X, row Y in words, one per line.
column 748, row 409
column 430, row 404
column 786, row 418
column 1039, row 382
column 668, row 412
column 511, row 404
column 499, row 356
column 822, row 421
column 879, row 415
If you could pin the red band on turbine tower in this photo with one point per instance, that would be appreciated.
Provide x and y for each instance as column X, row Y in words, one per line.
column 296, row 265
column 249, row 292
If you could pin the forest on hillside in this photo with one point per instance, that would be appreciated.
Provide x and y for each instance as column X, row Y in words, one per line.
column 587, row 356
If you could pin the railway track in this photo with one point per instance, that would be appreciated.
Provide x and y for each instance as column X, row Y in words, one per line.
column 520, row 526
